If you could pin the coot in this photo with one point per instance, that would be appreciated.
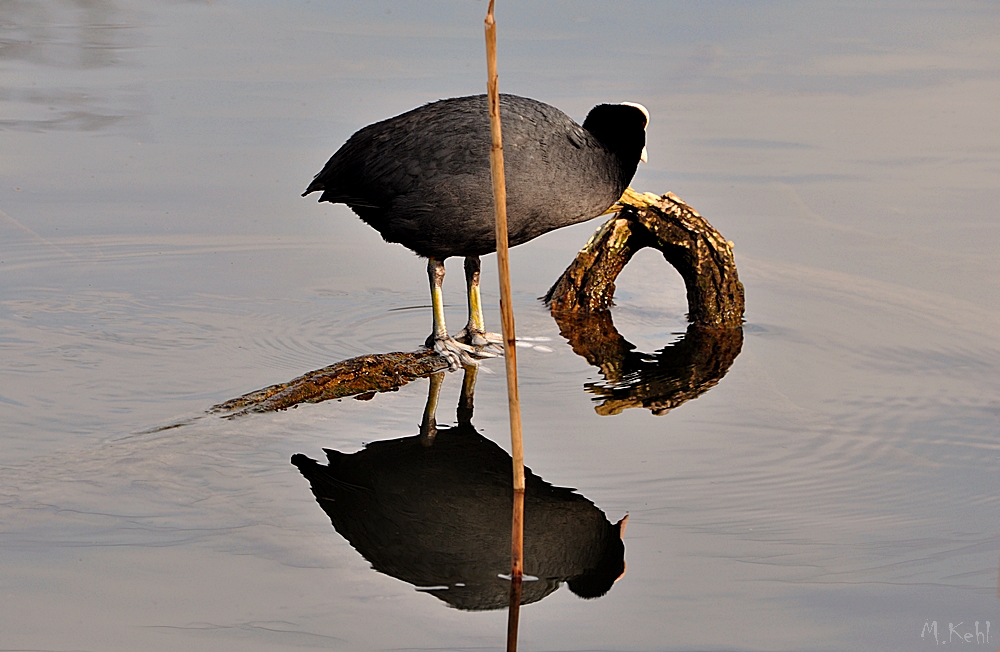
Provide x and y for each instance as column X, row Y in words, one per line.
column 422, row 179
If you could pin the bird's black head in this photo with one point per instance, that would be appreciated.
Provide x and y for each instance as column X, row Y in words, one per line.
column 622, row 129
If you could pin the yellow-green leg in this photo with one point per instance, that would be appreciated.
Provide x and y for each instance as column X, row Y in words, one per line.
column 435, row 273
column 456, row 353
column 474, row 332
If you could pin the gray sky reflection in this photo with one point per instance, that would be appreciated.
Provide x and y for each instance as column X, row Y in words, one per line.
column 57, row 60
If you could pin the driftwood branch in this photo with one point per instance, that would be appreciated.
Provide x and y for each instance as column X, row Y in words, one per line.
column 360, row 377
column 688, row 242
column 579, row 301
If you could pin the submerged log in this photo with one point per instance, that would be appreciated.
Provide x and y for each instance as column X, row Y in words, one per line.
column 687, row 241
column 360, row 377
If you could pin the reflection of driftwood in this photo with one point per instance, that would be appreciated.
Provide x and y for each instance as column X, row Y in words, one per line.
column 659, row 381
column 362, row 377
column 688, row 242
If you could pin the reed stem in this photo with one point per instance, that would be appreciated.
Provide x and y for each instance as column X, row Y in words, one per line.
column 507, row 322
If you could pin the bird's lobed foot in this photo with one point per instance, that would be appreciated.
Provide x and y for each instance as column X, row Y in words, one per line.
column 490, row 343
column 459, row 354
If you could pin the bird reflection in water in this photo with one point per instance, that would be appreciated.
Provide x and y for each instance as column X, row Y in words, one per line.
column 434, row 510
column 659, row 381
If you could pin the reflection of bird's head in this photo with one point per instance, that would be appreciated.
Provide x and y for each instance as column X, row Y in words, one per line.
column 622, row 129
column 598, row 580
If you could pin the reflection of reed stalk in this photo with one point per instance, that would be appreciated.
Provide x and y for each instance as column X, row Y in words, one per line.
column 507, row 321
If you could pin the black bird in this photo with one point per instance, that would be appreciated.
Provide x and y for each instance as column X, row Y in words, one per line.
column 434, row 510
column 422, row 179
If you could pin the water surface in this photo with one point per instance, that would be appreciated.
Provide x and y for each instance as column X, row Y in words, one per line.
column 836, row 490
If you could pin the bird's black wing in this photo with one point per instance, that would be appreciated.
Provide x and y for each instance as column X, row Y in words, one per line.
column 405, row 155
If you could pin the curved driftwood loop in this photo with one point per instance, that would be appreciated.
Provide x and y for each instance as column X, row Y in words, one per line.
column 688, row 242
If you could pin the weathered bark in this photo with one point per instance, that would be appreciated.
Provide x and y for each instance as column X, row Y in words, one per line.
column 688, row 242
column 360, row 377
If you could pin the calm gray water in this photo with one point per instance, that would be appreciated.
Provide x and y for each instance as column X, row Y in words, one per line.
column 836, row 491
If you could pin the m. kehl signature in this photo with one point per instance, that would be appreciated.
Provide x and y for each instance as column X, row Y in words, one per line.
column 957, row 633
